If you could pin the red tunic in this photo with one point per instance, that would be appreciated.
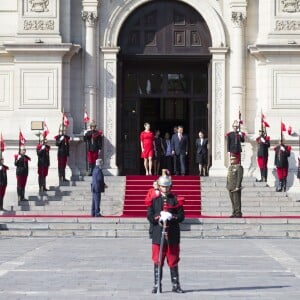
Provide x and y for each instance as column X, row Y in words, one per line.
column 147, row 139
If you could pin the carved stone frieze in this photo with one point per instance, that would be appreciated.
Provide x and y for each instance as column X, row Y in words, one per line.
column 290, row 6
column 287, row 25
column 218, row 110
column 91, row 17
column 38, row 5
column 46, row 25
column 238, row 18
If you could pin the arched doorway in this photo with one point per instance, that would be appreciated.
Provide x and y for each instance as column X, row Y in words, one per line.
column 163, row 77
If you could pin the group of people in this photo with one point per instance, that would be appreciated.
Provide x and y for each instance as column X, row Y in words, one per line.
column 171, row 152
column 93, row 140
column 235, row 170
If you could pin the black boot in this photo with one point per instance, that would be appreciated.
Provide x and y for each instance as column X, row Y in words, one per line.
column 23, row 195
column 175, row 280
column 60, row 175
column 279, row 188
column 157, row 287
column 266, row 175
column 1, row 203
column 284, row 185
column 19, row 194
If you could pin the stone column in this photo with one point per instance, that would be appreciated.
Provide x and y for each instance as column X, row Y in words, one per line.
column 90, row 17
column 237, row 64
column 109, row 88
column 218, row 111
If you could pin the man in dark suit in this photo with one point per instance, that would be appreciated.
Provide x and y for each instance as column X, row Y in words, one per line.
column 98, row 185
column 179, row 146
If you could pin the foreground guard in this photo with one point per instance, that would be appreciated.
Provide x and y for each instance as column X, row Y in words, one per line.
column 165, row 213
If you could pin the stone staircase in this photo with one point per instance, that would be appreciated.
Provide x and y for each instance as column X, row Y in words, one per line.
column 64, row 211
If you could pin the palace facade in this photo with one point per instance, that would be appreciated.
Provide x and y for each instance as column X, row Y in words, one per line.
column 167, row 62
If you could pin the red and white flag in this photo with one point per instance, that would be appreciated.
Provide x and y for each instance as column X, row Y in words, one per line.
column 290, row 130
column 240, row 118
column 263, row 120
column 65, row 120
column 45, row 130
column 283, row 128
column 2, row 144
column 86, row 117
column 22, row 139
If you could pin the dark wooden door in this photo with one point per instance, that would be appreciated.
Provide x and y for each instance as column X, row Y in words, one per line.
column 163, row 77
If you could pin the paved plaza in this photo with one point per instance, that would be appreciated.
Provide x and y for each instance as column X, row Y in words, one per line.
column 106, row 268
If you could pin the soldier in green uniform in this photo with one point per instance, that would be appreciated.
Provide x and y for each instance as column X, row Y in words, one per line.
column 234, row 181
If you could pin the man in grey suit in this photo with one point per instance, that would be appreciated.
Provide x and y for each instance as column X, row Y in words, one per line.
column 179, row 146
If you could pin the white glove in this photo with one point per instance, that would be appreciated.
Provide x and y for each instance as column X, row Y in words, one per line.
column 43, row 147
column 240, row 133
column 262, row 139
column 19, row 156
column 282, row 148
column 0, row 168
column 85, row 132
column 61, row 138
column 156, row 192
column 165, row 216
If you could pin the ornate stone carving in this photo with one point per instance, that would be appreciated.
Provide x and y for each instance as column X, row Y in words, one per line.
column 290, row 6
column 110, row 114
column 238, row 18
column 38, row 25
column 91, row 17
column 39, row 5
column 218, row 111
column 287, row 25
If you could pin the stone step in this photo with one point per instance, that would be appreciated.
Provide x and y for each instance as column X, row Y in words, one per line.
column 128, row 227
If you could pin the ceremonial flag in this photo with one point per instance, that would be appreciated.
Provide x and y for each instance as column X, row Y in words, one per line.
column 263, row 120
column 283, row 128
column 65, row 120
column 2, row 144
column 22, row 139
column 240, row 118
column 290, row 130
column 86, row 117
column 45, row 130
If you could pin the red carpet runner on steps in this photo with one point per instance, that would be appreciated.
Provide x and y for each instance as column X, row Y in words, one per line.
column 183, row 186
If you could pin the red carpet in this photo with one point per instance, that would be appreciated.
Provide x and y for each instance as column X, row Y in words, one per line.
column 183, row 186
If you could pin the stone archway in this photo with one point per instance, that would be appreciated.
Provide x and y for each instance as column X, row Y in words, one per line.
column 109, row 79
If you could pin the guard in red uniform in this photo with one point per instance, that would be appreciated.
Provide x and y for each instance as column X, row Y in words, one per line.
column 93, row 138
column 282, row 153
column 3, row 181
column 263, row 145
column 42, row 150
column 166, row 212
column 62, row 141
column 234, row 140
column 21, row 163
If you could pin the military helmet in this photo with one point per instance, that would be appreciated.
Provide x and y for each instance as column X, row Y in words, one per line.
column 235, row 123
column 164, row 181
column 93, row 124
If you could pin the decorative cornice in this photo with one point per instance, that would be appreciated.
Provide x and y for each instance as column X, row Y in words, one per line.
column 40, row 49
column 261, row 51
column 90, row 17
